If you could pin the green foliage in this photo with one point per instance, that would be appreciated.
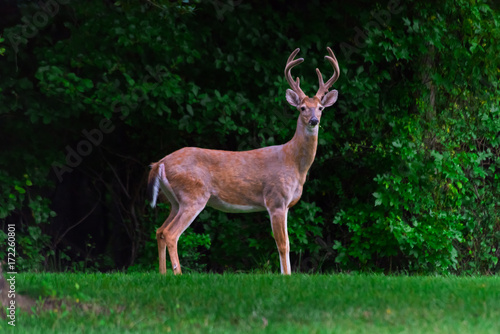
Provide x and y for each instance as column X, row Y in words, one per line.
column 435, row 186
column 405, row 176
column 31, row 242
column 304, row 224
column 2, row 49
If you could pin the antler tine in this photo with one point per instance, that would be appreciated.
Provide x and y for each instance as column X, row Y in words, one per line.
column 290, row 63
column 292, row 55
column 333, row 60
column 323, row 87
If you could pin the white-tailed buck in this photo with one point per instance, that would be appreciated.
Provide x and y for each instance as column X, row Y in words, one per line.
column 266, row 179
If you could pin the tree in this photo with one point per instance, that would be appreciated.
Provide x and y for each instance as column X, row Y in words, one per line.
column 406, row 163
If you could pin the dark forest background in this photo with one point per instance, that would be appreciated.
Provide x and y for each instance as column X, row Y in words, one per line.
column 406, row 173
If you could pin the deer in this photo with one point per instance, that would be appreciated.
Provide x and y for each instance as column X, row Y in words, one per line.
column 265, row 179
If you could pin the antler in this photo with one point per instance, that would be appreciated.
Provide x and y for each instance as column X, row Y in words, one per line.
column 323, row 87
column 290, row 63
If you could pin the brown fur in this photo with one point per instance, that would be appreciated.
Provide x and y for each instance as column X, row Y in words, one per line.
column 267, row 179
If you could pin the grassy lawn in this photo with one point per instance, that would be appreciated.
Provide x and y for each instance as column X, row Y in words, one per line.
column 242, row 303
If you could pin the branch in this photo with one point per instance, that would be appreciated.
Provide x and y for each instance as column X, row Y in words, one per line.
column 77, row 223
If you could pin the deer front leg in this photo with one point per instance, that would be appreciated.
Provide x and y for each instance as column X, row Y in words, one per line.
column 279, row 226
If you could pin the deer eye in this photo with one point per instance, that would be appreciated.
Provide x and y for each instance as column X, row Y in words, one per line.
column 320, row 108
column 302, row 108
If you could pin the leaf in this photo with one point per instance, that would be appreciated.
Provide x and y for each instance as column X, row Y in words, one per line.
column 386, row 75
column 195, row 90
column 20, row 189
column 87, row 83
column 397, row 143
column 129, row 79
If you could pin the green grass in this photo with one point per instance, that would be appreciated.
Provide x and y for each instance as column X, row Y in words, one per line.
column 242, row 303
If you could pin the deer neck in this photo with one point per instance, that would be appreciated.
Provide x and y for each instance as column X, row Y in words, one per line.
column 301, row 149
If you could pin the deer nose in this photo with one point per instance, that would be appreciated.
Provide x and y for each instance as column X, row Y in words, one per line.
column 313, row 121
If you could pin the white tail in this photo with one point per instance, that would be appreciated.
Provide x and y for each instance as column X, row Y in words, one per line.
column 266, row 179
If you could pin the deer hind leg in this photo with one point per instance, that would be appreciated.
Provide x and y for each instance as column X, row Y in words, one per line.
column 162, row 243
column 279, row 226
column 171, row 233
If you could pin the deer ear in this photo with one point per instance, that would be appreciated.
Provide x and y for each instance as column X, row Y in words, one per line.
column 292, row 98
column 330, row 98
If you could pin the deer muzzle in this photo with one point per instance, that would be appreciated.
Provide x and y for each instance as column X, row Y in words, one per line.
column 313, row 121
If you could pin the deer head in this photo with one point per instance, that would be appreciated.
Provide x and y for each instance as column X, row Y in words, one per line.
column 311, row 108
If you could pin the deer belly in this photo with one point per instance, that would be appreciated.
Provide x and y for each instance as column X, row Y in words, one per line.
column 224, row 206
